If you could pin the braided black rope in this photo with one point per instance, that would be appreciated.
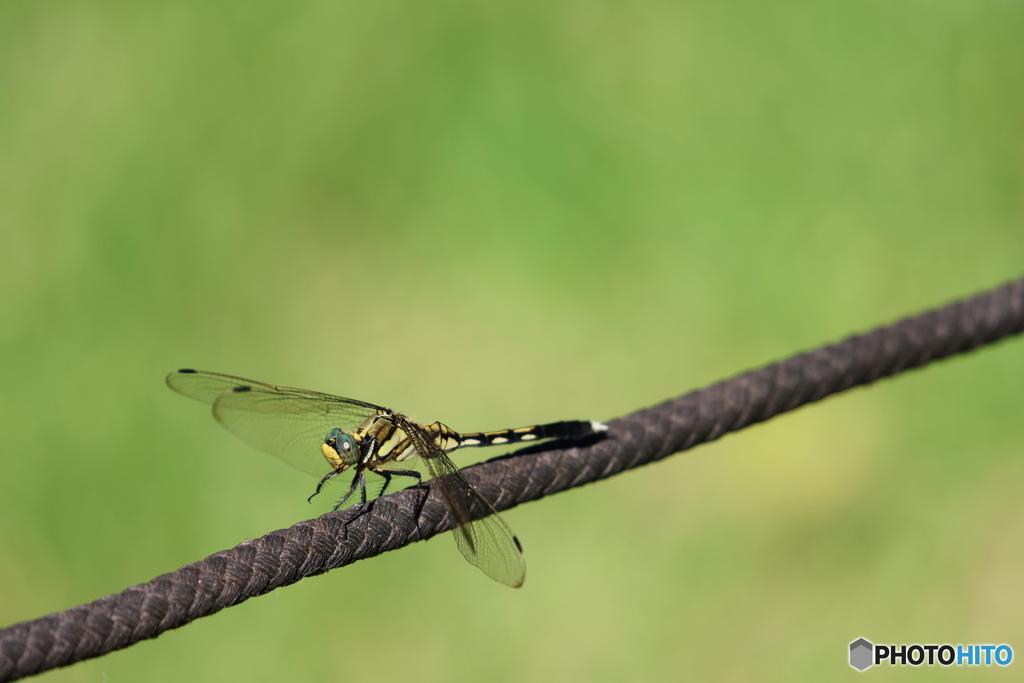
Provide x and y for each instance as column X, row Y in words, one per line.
column 340, row 538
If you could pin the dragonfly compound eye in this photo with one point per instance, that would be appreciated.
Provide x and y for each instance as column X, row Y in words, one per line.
column 340, row 447
column 347, row 448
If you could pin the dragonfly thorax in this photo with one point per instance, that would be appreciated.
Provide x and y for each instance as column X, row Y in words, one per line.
column 340, row 449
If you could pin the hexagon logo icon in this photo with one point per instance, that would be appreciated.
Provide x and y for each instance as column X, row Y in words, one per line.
column 861, row 652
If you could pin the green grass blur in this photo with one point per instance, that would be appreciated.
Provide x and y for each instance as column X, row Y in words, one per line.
column 496, row 214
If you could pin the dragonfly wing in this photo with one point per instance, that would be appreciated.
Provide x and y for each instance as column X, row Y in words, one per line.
column 293, row 437
column 207, row 386
column 484, row 538
column 286, row 422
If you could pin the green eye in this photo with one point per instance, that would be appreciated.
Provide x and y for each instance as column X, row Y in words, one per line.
column 346, row 444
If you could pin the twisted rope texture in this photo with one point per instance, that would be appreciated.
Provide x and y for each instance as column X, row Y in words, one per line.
column 336, row 539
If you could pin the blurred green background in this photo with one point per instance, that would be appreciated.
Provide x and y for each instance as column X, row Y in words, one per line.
column 496, row 214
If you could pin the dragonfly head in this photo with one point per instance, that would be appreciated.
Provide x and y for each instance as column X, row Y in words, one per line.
column 341, row 449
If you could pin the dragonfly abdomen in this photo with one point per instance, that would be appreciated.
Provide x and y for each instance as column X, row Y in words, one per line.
column 570, row 429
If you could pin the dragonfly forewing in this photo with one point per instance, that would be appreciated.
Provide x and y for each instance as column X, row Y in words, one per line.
column 286, row 422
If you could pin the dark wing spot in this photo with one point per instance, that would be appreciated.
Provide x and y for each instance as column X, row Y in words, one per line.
column 518, row 545
column 187, row 371
column 242, row 388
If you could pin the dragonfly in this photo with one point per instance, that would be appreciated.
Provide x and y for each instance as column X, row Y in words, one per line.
column 327, row 435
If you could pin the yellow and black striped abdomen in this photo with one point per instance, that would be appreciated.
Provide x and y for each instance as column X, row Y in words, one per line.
column 572, row 429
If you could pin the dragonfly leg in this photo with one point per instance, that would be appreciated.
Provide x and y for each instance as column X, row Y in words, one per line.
column 362, row 485
column 358, row 481
column 387, row 474
column 332, row 475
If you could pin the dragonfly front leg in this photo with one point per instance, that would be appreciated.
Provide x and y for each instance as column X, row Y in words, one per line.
column 331, row 475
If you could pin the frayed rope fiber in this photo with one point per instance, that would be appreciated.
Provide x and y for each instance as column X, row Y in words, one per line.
column 339, row 538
